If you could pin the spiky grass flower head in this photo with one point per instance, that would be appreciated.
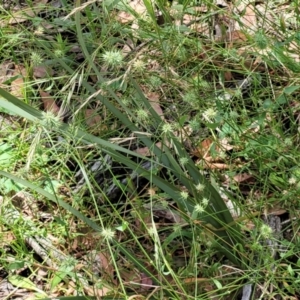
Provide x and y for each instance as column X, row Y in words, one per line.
column 200, row 187
column 191, row 97
column 199, row 208
column 256, row 246
column 108, row 233
column 194, row 125
column 266, row 231
column 112, row 58
column 142, row 115
column 167, row 128
column 177, row 228
column 39, row 30
column 36, row 58
column 50, row 120
column 155, row 81
column 261, row 40
column 183, row 161
column 139, row 65
column 184, row 195
column 292, row 180
column 203, row 84
column 224, row 97
column 205, row 201
column 288, row 142
column 126, row 100
column 238, row 93
column 59, row 53
column 209, row 114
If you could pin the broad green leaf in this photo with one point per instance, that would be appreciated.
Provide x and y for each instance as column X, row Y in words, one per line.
column 24, row 283
column 16, row 265
column 291, row 89
column 65, row 269
column 16, row 106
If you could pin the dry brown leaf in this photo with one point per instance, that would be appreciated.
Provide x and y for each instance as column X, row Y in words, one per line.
column 146, row 282
column 201, row 8
column 71, row 288
column 94, row 292
column 42, row 72
column 138, row 6
column 154, row 101
column 106, row 265
column 100, row 262
column 214, row 166
column 6, row 238
column 247, row 19
column 125, row 17
column 203, row 149
column 228, row 76
column 236, row 36
column 221, row 3
column 92, row 119
column 26, row 203
column 26, row 13
column 243, row 178
column 294, row 52
column 140, row 297
column 6, row 72
column 145, row 150
column 17, row 86
column 277, row 211
column 49, row 103
column 201, row 27
column 140, row 279
column 225, row 144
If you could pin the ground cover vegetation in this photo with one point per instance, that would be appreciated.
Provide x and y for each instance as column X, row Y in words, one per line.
column 149, row 149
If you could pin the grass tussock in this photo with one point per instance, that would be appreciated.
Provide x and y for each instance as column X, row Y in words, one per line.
column 149, row 150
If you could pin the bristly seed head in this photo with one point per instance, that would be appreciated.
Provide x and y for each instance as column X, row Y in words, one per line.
column 266, row 231
column 184, row 195
column 200, row 187
column 209, row 114
column 292, row 180
column 50, row 120
column 108, row 233
column 142, row 115
column 205, row 202
column 199, row 208
column 139, row 65
column 112, row 58
column 167, row 128
column 58, row 53
column 183, row 161
column 36, row 58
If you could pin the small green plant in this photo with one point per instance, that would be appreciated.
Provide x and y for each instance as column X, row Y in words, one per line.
column 168, row 147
